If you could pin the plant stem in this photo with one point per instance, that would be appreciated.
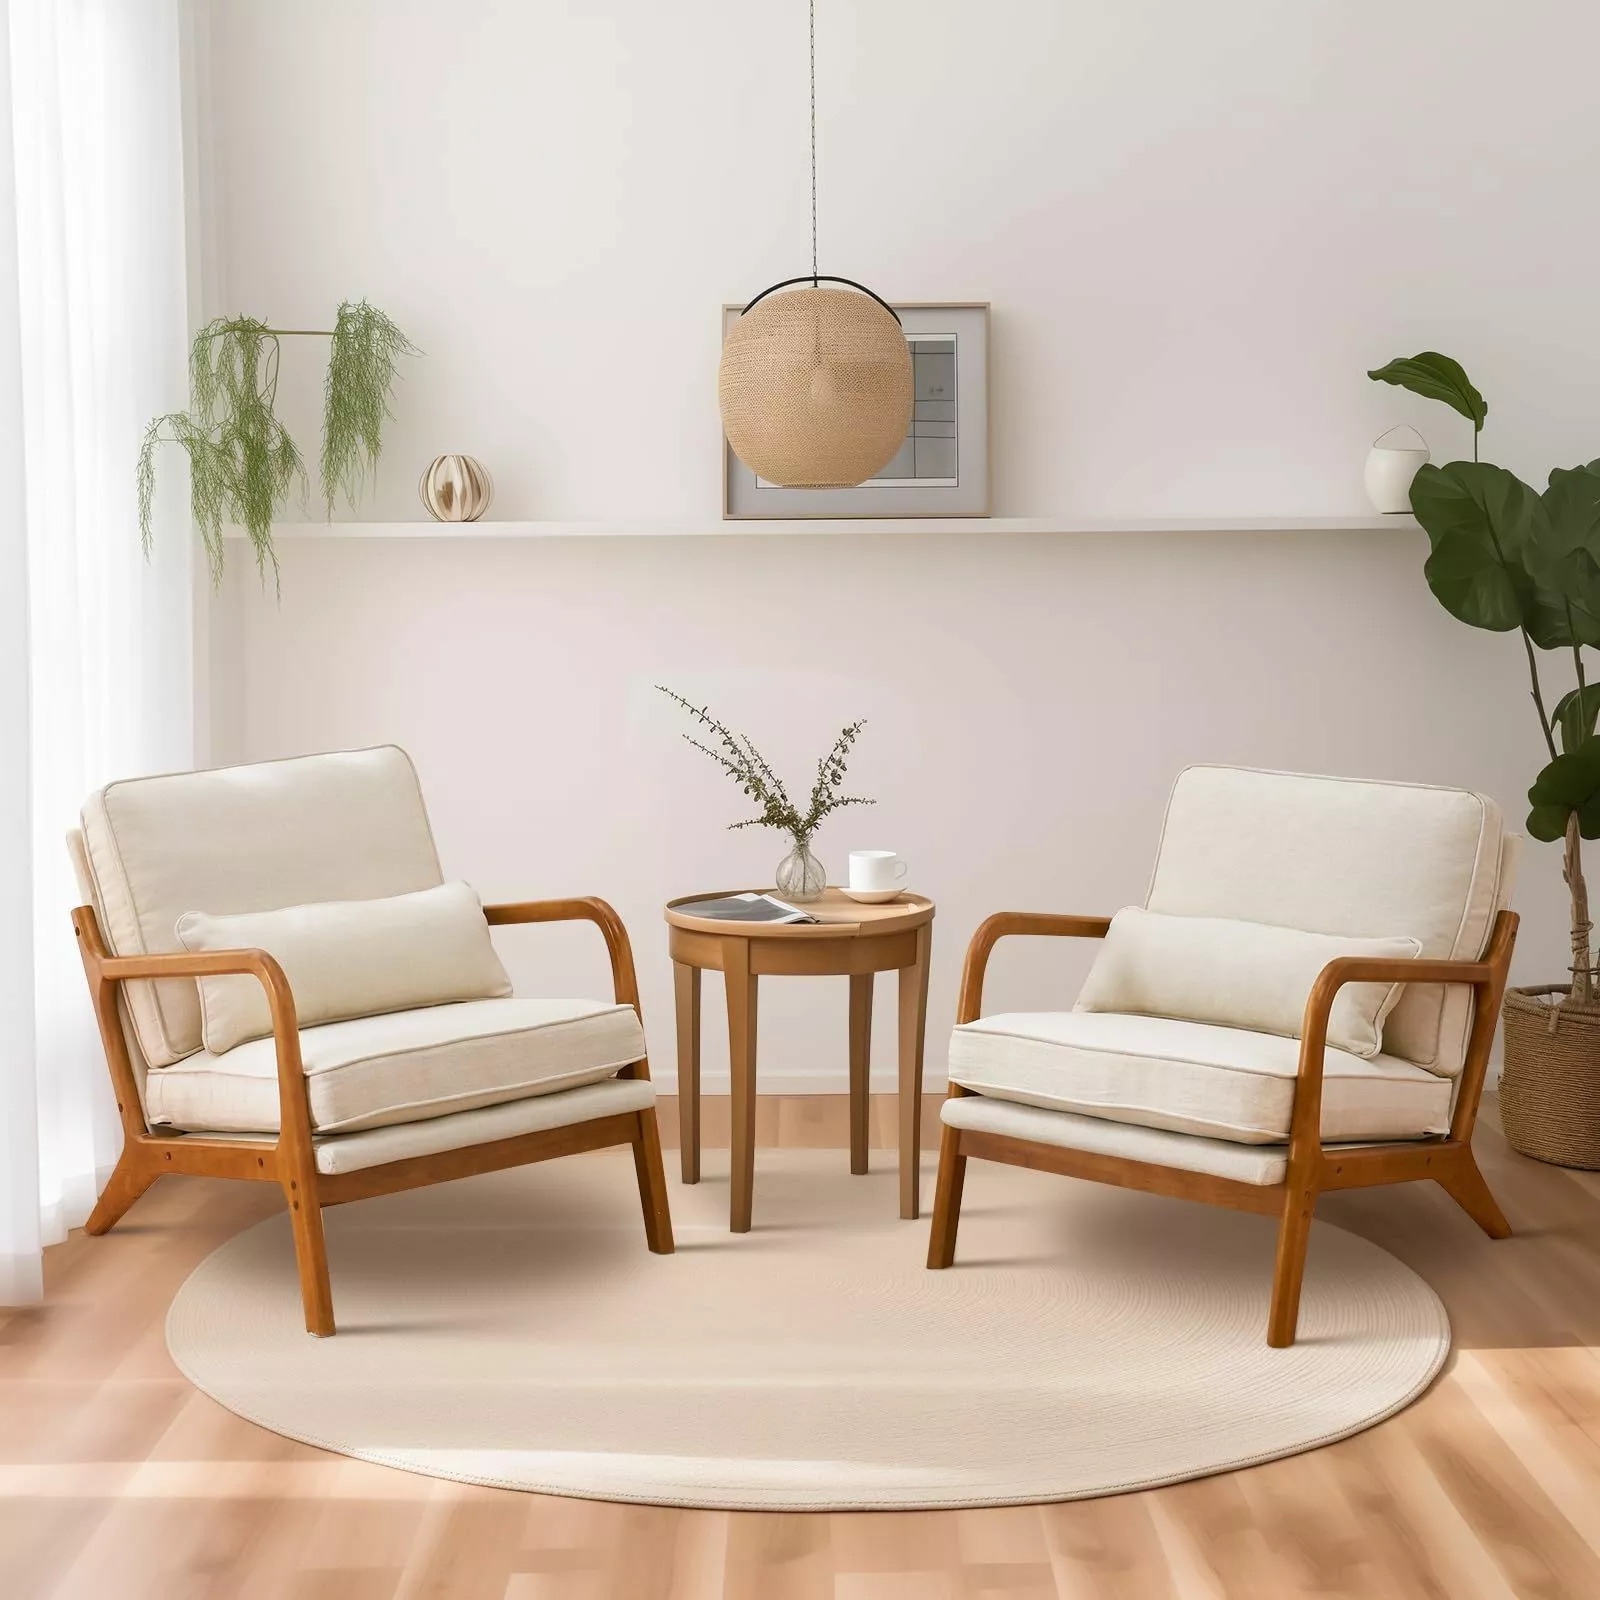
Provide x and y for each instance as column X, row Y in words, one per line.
column 1572, row 865
column 284, row 333
column 1538, row 696
column 1572, row 871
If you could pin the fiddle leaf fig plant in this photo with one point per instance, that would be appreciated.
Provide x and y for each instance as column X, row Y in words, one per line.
column 1507, row 558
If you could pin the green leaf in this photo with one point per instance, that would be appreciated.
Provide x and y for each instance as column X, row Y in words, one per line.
column 1436, row 377
column 1569, row 783
column 1563, row 559
column 1480, row 521
column 1575, row 719
column 1548, row 823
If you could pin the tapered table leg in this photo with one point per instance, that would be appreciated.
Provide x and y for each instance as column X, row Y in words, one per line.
column 686, row 987
column 741, row 983
column 860, row 1066
column 913, row 1021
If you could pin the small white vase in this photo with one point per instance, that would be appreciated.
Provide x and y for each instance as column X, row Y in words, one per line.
column 1390, row 469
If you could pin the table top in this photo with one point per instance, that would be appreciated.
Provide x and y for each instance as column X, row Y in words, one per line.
column 839, row 916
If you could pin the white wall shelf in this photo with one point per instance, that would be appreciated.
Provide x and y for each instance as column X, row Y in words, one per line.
column 712, row 527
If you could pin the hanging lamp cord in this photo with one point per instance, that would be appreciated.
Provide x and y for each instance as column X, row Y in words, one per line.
column 813, row 19
column 816, row 277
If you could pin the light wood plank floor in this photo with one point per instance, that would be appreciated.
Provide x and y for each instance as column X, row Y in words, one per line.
column 118, row 1479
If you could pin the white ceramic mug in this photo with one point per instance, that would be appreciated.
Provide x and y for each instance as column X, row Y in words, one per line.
column 875, row 871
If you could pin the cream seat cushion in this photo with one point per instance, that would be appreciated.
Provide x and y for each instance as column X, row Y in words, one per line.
column 1259, row 1164
column 350, row 1152
column 1188, row 1077
column 404, row 1066
column 402, row 1141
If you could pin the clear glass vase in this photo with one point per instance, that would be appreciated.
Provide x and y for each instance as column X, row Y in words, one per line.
column 800, row 874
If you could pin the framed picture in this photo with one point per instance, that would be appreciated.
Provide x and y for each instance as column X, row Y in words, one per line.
column 942, row 469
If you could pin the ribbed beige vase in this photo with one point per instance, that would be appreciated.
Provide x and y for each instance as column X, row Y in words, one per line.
column 816, row 388
column 456, row 489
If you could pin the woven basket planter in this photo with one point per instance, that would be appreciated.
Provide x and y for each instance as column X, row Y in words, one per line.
column 1550, row 1090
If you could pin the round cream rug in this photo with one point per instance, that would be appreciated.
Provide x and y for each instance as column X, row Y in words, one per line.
column 513, row 1330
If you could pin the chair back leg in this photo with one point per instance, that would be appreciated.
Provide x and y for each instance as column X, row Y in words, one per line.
column 1465, row 1184
column 129, row 1179
column 947, row 1199
column 134, row 1172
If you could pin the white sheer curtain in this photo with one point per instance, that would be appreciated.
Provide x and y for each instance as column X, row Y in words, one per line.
column 96, row 644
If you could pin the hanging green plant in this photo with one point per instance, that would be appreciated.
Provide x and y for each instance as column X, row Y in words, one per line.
column 361, row 368
column 242, row 461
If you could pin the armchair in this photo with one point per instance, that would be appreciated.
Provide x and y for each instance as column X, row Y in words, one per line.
column 1230, row 1116
column 365, row 1105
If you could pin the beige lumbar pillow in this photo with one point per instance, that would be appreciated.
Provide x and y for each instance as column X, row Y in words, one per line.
column 1239, row 975
column 348, row 958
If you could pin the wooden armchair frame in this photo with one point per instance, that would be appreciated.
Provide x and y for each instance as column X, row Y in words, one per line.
column 290, row 1160
column 1312, row 1170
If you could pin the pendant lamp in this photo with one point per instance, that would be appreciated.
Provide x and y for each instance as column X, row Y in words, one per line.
column 815, row 384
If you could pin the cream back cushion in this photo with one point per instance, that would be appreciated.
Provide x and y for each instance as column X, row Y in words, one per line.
column 1238, row 975
column 346, row 826
column 1343, row 856
column 348, row 958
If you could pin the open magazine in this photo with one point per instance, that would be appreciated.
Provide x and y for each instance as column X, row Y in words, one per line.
column 750, row 907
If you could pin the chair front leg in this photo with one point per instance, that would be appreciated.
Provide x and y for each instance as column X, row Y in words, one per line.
column 969, row 1007
column 295, row 1155
column 297, row 1161
column 646, row 1139
column 1461, row 1179
column 1305, row 1164
column 1289, row 1268
column 310, row 1248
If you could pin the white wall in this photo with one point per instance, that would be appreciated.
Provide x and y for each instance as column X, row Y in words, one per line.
column 1197, row 226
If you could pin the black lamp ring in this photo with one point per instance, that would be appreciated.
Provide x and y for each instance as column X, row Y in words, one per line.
column 825, row 277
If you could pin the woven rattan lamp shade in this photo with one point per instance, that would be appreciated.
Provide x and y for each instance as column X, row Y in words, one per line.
column 815, row 388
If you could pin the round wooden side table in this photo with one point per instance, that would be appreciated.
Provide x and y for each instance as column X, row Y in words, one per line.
column 850, row 939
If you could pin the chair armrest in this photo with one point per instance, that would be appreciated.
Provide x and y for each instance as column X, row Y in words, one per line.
column 993, row 929
column 294, row 1107
column 1487, row 976
column 624, row 981
column 206, row 964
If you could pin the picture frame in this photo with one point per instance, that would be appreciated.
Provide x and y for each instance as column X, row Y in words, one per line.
column 942, row 470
